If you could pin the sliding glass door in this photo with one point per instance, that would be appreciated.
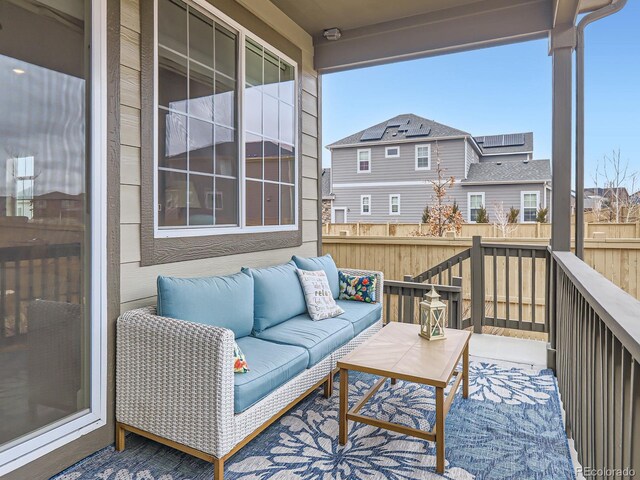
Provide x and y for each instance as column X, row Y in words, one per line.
column 47, row 328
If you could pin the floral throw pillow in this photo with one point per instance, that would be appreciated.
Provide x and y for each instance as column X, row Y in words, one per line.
column 317, row 294
column 361, row 288
column 239, row 362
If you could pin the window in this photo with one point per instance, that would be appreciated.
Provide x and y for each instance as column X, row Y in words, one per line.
column 365, row 205
column 199, row 160
column 423, row 157
column 476, row 202
column 394, row 204
column 364, row 161
column 529, row 206
column 23, row 176
column 392, row 152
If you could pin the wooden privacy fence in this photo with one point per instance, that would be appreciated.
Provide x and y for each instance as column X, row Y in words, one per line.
column 617, row 260
column 485, row 230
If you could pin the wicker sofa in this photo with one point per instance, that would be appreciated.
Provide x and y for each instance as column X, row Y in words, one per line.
column 174, row 378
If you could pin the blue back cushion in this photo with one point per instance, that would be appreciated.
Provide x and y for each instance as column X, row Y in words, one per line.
column 325, row 263
column 278, row 295
column 218, row 301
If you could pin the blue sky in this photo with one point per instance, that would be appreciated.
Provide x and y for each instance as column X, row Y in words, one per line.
column 501, row 90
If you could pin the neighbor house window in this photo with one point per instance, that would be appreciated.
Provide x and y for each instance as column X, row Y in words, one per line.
column 423, row 157
column 392, row 152
column 24, row 176
column 364, row 161
column 529, row 206
column 476, row 203
column 394, row 204
column 205, row 182
column 365, row 204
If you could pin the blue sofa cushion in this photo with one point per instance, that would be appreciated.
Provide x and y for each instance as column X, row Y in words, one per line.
column 218, row 301
column 325, row 263
column 361, row 315
column 278, row 295
column 319, row 338
column 270, row 365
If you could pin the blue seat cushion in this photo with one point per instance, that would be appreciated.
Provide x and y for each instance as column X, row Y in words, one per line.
column 325, row 263
column 270, row 365
column 218, row 301
column 278, row 295
column 361, row 315
column 320, row 338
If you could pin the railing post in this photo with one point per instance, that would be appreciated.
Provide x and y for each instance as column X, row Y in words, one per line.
column 477, row 284
column 550, row 305
column 407, row 300
column 456, row 314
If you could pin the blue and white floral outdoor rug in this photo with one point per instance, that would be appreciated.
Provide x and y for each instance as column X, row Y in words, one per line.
column 509, row 428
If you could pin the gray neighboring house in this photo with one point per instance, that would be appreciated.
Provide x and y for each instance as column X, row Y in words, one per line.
column 381, row 174
column 327, row 196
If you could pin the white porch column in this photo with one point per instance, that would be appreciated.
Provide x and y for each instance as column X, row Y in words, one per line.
column 562, row 44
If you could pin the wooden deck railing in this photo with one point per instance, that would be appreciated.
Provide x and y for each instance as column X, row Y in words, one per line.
column 28, row 272
column 402, row 299
column 595, row 333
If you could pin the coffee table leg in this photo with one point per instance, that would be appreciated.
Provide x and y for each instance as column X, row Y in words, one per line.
column 440, row 430
column 465, row 372
column 344, row 404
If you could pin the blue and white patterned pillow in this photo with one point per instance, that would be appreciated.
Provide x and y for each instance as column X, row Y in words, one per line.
column 361, row 288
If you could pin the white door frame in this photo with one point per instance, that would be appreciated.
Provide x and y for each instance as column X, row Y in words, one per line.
column 60, row 433
column 333, row 214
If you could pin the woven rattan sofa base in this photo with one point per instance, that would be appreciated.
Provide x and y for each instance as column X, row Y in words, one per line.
column 250, row 423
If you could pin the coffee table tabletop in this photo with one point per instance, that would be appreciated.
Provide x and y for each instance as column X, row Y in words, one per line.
column 398, row 352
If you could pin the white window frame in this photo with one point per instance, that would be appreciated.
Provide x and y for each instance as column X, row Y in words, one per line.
column 198, row 231
column 391, row 197
column 362, row 197
column 388, row 155
column 58, row 434
column 417, row 148
column 333, row 214
column 473, row 194
column 368, row 151
column 522, row 194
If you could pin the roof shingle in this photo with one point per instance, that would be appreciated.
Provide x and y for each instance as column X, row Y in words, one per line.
column 510, row 171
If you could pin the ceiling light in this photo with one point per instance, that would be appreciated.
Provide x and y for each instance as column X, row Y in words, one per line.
column 332, row 34
column 18, row 71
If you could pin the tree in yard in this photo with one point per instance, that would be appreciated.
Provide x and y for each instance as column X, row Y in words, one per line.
column 482, row 216
column 441, row 217
column 505, row 222
column 541, row 215
column 618, row 182
column 514, row 215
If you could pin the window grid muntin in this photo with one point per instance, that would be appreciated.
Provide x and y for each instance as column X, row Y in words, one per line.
column 476, row 202
column 215, row 24
column 265, row 138
column 242, row 35
column 365, row 205
column 423, row 157
column 529, row 210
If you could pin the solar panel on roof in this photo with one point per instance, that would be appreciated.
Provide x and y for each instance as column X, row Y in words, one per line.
column 493, row 141
column 397, row 123
column 513, row 139
column 418, row 131
column 479, row 139
column 374, row 133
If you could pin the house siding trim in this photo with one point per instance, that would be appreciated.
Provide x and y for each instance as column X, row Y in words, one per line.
column 155, row 250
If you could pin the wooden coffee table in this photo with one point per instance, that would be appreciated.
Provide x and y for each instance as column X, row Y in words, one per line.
column 397, row 352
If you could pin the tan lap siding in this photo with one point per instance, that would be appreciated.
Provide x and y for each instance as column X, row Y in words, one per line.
column 138, row 284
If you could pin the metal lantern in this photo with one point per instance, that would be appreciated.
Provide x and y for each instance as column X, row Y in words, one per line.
column 432, row 316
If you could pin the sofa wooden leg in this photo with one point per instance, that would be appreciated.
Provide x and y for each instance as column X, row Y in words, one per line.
column 120, row 432
column 328, row 386
column 394, row 381
column 218, row 469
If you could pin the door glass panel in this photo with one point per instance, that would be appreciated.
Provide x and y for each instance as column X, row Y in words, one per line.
column 44, row 217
